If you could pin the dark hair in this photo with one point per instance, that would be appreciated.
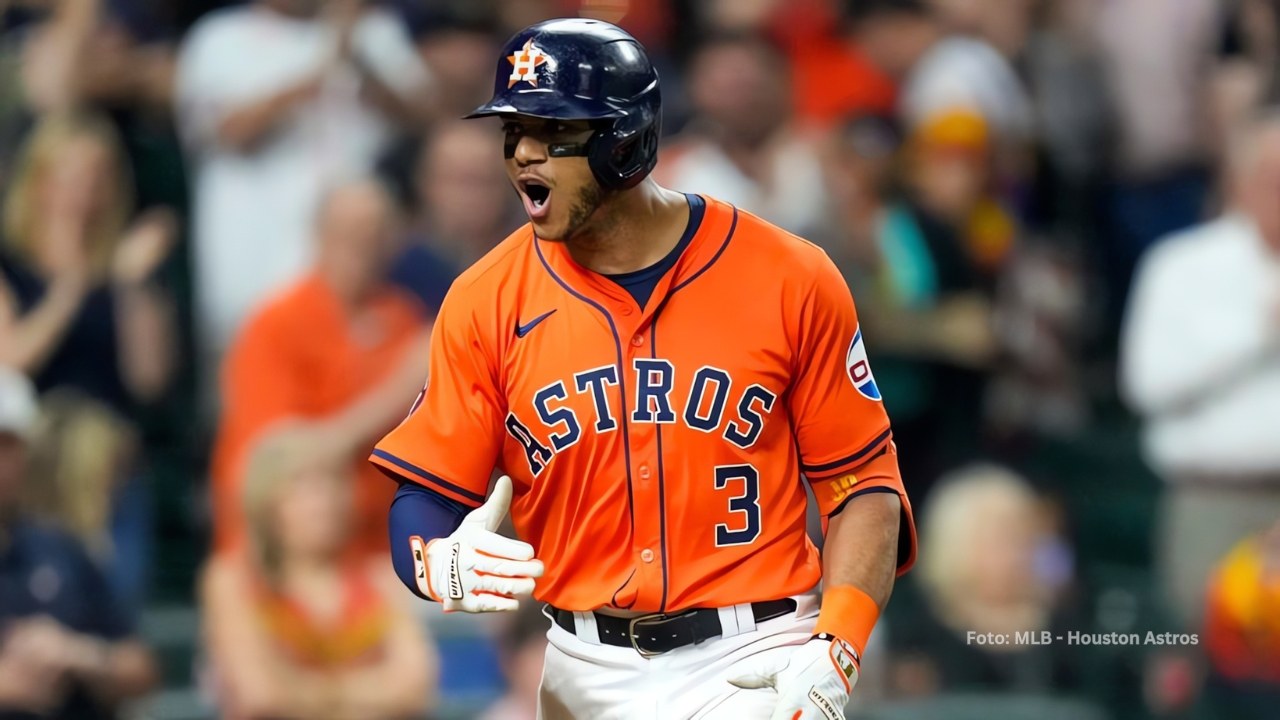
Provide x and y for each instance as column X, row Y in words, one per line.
column 857, row 11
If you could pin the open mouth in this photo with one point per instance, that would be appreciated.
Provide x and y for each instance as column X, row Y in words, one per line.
column 536, row 196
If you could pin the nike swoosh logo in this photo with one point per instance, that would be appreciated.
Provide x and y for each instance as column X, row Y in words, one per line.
column 522, row 330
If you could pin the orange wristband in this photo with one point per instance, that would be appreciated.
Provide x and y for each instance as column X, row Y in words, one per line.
column 849, row 614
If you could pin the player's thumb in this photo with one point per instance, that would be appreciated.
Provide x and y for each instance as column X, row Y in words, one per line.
column 754, row 674
column 491, row 513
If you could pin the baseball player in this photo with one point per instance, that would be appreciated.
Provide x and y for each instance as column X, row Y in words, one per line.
column 657, row 375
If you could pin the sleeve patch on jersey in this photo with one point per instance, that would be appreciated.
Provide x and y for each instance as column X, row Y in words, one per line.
column 859, row 368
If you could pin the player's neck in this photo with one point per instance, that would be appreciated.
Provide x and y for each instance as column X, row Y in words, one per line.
column 632, row 231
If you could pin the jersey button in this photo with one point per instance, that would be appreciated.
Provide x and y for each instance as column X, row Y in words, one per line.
column 646, row 555
column 637, row 341
column 644, row 472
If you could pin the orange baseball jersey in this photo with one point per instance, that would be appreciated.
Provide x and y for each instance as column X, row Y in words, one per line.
column 656, row 452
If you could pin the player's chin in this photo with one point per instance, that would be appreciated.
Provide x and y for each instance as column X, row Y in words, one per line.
column 551, row 229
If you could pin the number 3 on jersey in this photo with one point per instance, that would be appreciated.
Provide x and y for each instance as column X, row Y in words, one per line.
column 747, row 503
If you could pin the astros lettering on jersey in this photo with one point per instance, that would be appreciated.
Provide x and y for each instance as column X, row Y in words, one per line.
column 656, row 452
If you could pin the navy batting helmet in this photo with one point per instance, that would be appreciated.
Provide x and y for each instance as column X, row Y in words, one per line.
column 574, row 69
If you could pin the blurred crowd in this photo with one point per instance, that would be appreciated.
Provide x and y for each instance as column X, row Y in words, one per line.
column 226, row 227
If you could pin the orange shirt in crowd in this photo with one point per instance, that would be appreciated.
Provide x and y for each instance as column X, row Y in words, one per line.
column 831, row 81
column 830, row 78
column 301, row 356
column 358, row 635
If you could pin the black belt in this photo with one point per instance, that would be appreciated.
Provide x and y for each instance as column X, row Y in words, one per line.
column 659, row 633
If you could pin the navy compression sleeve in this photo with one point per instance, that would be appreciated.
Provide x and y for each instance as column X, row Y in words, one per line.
column 419, row 511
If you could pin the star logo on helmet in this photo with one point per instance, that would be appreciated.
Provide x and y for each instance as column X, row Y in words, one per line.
column 524, row 64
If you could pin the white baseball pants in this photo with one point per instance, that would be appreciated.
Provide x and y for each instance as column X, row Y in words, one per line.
column 583, row 679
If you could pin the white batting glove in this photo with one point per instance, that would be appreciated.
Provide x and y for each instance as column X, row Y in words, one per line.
column 475, row 569
column 813, row 683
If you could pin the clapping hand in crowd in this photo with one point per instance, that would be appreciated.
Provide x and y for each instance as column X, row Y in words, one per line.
column 144, row 248
column 38, row 657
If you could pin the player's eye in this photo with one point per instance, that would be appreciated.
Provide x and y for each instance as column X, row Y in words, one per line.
column 512, row 128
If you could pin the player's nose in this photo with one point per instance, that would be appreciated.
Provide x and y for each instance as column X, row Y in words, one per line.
column 530, row 150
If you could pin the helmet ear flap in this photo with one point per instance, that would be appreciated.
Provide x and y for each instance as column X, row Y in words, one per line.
column 623, row 154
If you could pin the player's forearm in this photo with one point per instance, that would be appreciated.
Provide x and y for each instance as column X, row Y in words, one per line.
column 861, row 547
column 418, row 512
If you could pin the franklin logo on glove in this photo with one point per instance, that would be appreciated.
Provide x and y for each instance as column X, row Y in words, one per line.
column 455, row 577
column 482, row 570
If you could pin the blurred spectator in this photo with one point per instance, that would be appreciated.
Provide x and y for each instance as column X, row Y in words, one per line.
column 861, row 163
column 108, row 52
column 464, row 207
column 1003, row 24
column 117, row 56
column 338, row 347
column 940, row 72
column 981, row 540
column 522, row 646
column 929, row 256
column 1245, row 77
column 79, row 305
column 739, row 146
column 831, row 77
column 293, row 627
column 1073, row 113
column 87, row 454
column 66, row 647
column 277, row 101
column 1038, row 389
column 1200, row 361
column 949, row 175
column 738, row 16
column 1157, row 58
column 461, row 60
column 1242, row 628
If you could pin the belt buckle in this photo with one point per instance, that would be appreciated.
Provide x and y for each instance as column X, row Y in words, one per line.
column 653, row 618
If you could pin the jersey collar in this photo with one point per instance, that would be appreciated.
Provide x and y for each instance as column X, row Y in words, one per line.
column 712, row 236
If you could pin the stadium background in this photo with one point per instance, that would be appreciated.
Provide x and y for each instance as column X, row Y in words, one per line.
column 987, row 173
